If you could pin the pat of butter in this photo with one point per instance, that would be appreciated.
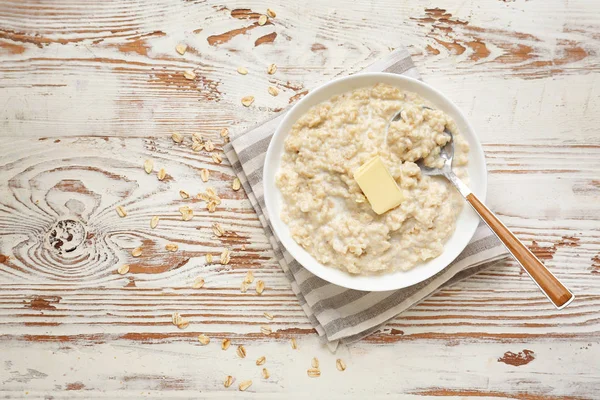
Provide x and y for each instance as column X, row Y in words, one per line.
column 378, row 185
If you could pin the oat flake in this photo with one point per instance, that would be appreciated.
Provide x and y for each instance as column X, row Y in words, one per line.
column 225, row 257
column 247, row 100
column 260, row 286
column 123, row 269
column 203, row 339
column 148, row 166
column 171, row 247
column 225, row 344
column 177, row 137
column 198, row 283
column 314, row 372
column 181, row 48
column 265, row 330
column 245, row 385
column 209, row 145
column 121, row 212
column 189, row 75
column 204, row 174
column 241, row 351
column 236, row 184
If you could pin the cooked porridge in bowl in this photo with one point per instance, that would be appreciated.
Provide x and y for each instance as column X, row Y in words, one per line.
column 324, row 206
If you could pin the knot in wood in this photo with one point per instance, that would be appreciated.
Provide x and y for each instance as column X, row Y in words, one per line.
column 66, row 236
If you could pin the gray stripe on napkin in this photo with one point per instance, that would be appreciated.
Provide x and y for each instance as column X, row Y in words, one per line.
column 338, row 313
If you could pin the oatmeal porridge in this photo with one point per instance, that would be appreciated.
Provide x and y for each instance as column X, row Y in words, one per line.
column 324, row 207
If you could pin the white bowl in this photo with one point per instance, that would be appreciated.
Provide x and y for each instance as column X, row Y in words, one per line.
column 467, row 220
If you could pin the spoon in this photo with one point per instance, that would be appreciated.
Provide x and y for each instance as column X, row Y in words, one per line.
column 556, row 292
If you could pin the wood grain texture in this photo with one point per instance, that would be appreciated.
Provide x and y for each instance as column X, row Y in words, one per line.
column 90, row 90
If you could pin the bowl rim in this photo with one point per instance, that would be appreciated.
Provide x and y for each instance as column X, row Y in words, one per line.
column 315, row 266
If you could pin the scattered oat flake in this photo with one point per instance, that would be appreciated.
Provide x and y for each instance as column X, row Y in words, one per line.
column 340, row 364
column 203, row 196
column 315, row 362
column 211, row 207
column 271, row 69
column 196, row 137
column 184, row 324
column 211, row 192
column 241, row 351
column 162, row 174
column 176, row 318
column 244, row 287
column 245, row 385
column 203, row 339
column 273, row 91
column 268, row 316
column 171, row 247
column 314, row 372
column 249, row 277
column 186, row 213
column 260, row 286
column 179, row 321
column 154, row 222
column 225, row 344
column 247, row 100
column 218, row 229
column 209, row 145
column 262, row 20
column 123, row 269
column 136, row 252
column 190, row 75
column 224, row 132
column 261, row 360
column 225, row 257
column 228, row 381
column 184, row 194
column 294, row 344
column 181, row 48
column 148, row 166
column 197, row 146
column 236, row 184
column 177, row 137
column 265, row 373
column 243, row 247
column 271, row 13
column 198, row 283
column 204, row 174
column 265, row 330
column 217, row 158
column 242, row 70
column 209, row 258
column 121, row 212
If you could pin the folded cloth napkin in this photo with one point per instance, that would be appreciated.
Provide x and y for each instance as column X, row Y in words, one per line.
column 337, row 313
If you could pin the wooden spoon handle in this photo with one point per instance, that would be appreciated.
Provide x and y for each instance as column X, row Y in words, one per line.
column 558, row 294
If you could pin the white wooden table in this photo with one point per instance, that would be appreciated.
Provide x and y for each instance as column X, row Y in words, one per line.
column 89, row 90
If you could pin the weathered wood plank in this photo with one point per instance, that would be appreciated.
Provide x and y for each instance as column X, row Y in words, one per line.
column 89, row 91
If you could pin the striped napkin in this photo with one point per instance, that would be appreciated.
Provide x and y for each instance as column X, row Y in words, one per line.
column 340, row 314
